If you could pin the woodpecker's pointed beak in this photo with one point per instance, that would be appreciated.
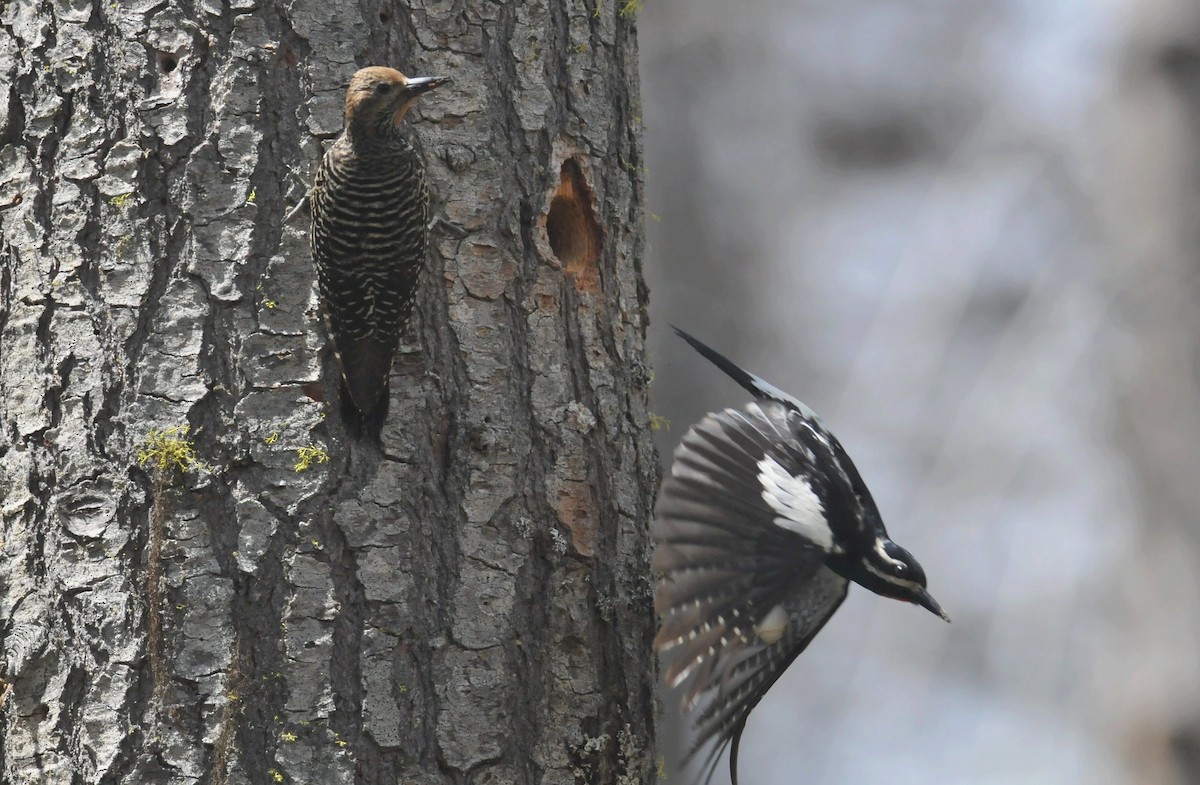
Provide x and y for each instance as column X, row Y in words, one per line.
column 925, row 600
column 423, row 84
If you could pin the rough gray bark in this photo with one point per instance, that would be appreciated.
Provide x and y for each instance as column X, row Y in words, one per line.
column 473, row 605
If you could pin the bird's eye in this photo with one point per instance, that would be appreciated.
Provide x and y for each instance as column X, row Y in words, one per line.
column 383, row 87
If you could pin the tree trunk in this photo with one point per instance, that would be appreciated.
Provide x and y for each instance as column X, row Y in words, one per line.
column 255, row 599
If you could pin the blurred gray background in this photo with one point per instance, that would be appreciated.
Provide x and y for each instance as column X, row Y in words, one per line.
column 967, row 232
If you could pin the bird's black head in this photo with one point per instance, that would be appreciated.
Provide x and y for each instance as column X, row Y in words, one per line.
column 379, row 97
column 891, row 571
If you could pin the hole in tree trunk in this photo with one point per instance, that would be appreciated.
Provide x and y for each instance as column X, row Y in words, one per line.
column 572, row 228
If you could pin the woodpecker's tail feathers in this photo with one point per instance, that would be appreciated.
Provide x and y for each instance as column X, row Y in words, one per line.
column 740, row 544
column 365, row 365
column 364, row 426
column 760, row 387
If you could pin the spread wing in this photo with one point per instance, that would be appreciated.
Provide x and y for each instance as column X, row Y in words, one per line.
column 741, row 536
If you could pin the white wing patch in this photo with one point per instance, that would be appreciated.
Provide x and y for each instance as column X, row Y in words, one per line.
column 773, row 625
column 796, row 507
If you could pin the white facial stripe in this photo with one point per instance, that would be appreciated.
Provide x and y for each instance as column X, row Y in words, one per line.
column 796, row 507
column 883, row 554
column 892, row 579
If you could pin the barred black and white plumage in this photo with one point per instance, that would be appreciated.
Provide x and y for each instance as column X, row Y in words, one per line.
column 760, row 527
column 369, row 238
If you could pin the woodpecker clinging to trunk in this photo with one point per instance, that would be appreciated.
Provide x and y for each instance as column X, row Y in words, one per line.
column 370, row 215
column 760, row 526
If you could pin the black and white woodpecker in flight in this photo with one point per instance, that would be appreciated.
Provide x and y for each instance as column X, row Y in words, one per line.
column 760, row 527
column 369, row 237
